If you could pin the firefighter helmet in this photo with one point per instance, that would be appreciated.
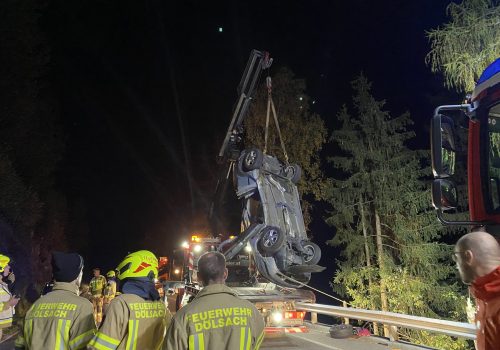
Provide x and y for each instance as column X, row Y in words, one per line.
column 110, row 273
column 4, row 261
column 142, row 263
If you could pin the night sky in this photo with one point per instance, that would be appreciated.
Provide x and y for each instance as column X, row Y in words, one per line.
column 128, row 72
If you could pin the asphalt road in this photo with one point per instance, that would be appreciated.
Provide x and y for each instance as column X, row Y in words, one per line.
column 317, row 338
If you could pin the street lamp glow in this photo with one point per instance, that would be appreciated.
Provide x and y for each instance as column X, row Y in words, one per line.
column 177, row 271
column 197, row 248
column 185, row 245
column 248, row 248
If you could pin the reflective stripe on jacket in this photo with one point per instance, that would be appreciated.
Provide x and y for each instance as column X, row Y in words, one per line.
column 132, row 323
column 216, row 320
column 59, row 320
column 6, row 312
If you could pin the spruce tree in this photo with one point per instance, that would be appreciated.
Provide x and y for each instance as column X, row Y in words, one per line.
column 462, row 48
column 391, row 256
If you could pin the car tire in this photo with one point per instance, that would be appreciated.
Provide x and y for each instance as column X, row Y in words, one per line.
column 271, row 240
column 312, row 252
column 293, row 173
column 252, row 159
column 341, row 331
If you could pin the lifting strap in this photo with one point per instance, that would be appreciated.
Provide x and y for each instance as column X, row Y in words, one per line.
column 270, row 106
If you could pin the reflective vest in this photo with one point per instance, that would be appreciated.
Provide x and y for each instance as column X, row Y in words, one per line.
column 59, row 320
column 110, row 291
column 132, row 323
column 216, row 319
column 6, row 312
column 97, row 285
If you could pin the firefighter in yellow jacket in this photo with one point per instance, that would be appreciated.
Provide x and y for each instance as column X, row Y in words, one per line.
column 96, row 288
column 136, row 319
column 216, row 319
column 7, row 301
column 60, row 319
column 109, row 290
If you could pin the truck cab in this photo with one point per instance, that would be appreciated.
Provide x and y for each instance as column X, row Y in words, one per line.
column 479, row 146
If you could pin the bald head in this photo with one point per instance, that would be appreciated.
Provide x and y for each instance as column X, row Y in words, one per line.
column 477, row 254
column 212, row 268
column 484, row 246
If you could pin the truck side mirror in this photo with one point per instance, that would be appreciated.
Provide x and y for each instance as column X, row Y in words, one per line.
column 444, row 194
column 443, row 148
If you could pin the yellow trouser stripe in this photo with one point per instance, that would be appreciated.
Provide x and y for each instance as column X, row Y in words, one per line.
column 259, row 341
column 81, row 340
column 196, row 342
column 133, row 329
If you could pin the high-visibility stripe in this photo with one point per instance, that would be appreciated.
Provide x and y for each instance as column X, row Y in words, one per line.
column 28, row 330
column 103, row 342
column 243, row 333
column 6, row 321
column 196, row 342
column 248, row 340
column 82, row 340
column 62, row 334
column 133, row 330
column 259, row 341
column 245, row 338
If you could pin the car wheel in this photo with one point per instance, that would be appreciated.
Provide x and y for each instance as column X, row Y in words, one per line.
column 312, row 253
column 341, row 331
column 252, row 159
column 293, row 173
column 271, row 240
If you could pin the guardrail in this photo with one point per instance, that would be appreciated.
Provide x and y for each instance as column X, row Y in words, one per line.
column 452, row 328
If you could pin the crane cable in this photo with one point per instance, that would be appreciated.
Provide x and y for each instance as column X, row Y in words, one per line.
column 302, row 284
column 270, row 106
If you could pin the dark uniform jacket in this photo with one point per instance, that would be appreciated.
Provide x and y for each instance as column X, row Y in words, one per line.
column 216, row 320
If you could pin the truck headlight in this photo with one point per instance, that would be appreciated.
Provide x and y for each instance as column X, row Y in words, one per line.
column 277, row 316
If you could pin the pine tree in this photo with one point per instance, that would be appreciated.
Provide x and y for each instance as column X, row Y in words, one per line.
column 391, row 258
column 463, row 48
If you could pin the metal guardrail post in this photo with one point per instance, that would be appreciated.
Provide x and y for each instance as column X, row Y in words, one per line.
column 346, row 319
column 314, row 317
column 393, row 333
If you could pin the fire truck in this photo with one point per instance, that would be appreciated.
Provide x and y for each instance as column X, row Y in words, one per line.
column 276, row 304
column 469, row 132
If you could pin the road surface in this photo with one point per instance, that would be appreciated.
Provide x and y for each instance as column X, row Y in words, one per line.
column 317, row 338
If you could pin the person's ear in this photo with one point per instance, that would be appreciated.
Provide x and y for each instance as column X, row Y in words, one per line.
column 226, row 272
column 468, row 257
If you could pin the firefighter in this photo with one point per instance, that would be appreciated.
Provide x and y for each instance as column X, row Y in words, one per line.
column 7, row 300
column 60, row 319
column 137, row 318
column 109, row 290
column 216, row 318
column 96, row 288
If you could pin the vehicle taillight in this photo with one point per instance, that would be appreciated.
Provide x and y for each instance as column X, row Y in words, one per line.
column 295, row 315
